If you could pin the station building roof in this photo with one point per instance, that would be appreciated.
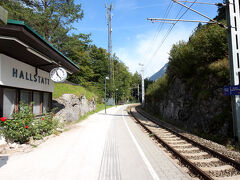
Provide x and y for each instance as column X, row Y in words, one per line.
column 21, row 42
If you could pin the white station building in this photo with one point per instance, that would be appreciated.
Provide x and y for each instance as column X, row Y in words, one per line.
column 25, row 62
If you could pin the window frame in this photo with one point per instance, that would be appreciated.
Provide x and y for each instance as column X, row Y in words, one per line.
column 18, row 90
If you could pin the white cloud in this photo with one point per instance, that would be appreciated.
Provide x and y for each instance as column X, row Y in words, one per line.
column 147, row 51
column 133, row 4
column 149, row 6
column 125, row 4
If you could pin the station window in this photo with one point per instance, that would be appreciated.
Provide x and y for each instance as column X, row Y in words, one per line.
column 13, row 97
column 46, row 102
column 37, row 103
column 25, row 96
column 9, row 102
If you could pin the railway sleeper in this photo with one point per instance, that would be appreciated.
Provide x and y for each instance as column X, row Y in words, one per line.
column 186, row 145
column 237, row 177
column 209, row 160
column 195, row 154
column 167, row 137
column 190, row 149
column 166, row 134
column 175, row 142
column 172, row 139
column 217, row 168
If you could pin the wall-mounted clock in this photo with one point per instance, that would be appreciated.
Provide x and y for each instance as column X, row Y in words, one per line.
column 58, row 74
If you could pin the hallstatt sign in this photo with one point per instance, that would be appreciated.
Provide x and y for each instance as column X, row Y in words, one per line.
column 17, row 74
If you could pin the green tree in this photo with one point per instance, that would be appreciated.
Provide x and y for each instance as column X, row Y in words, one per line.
column 17, row 11
column 206, row 45
column 136, row 80
column 93, row 65
column 221, row 12
column 122, row 79
column 53, row 16
column 51, row 19
column 99, row 63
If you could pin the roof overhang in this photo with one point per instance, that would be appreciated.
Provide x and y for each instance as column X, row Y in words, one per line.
column 19, row 41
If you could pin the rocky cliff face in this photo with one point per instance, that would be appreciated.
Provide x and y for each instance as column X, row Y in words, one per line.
column 70, row 107
column 210, row 114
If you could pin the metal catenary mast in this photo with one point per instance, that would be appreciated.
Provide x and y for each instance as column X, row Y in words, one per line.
column 233, row 20
column 109, row 23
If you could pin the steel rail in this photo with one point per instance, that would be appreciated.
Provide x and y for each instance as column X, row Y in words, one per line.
column 216, row 154
column 194, row 169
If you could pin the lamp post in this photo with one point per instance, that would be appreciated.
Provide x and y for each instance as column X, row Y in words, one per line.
column 116, row 96
column 106, row 78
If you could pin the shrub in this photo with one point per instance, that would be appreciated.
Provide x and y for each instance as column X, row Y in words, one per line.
column 158, row 89
column 24, row 125
column 20, row 128
column 44, row 126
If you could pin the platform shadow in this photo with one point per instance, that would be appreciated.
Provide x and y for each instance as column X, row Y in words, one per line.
column 3, row 160
column 57, row 106
column 113, row 114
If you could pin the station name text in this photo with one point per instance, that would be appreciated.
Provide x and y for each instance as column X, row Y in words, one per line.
column 29, row 76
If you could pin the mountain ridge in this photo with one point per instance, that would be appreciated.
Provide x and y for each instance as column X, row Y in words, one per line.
column 159, row 74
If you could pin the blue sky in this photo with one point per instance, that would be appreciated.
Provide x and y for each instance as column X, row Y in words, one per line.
column 135, row 39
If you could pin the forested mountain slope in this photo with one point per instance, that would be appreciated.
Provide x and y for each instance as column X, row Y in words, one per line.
column 190, row 93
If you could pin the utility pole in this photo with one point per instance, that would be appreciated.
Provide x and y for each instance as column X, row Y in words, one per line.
column 109, row 23
column 233, row 21
column 106, row 78
column 142, row 71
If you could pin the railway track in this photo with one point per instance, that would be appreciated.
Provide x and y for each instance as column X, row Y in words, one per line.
column 202, row 161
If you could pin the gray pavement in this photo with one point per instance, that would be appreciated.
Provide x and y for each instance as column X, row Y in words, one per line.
column 103, row 147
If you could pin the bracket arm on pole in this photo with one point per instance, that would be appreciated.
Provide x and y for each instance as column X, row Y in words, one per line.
column 221, row 25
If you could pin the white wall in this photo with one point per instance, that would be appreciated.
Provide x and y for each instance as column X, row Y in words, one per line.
column 21, row 75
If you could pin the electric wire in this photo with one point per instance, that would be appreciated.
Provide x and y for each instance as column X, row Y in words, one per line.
column 165, row 16
column 162, row 41
column 199, row 2
column 168, row 32
column 159, row 28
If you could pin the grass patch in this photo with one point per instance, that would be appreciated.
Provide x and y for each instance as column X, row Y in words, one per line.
column 62, row 88
column 34, row 145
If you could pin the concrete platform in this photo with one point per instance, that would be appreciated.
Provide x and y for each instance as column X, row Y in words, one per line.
column 103, row 147
column 136, row 155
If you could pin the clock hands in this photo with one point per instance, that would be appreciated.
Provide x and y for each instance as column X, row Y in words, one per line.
column 58, row 75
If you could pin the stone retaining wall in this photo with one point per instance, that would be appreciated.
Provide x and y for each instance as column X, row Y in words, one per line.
column 70, row 107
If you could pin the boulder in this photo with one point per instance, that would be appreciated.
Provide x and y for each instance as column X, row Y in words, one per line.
column 70, row 107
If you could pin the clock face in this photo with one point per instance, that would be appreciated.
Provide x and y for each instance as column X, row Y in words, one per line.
column 58, row 74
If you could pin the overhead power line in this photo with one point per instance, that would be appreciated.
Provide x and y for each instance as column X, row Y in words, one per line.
column 162, row 20
column 167, row 34
column 216, row 4
column 159, row 28
column 151, row 57
column 165, row 16
column 220, row 24
column 194, row 10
